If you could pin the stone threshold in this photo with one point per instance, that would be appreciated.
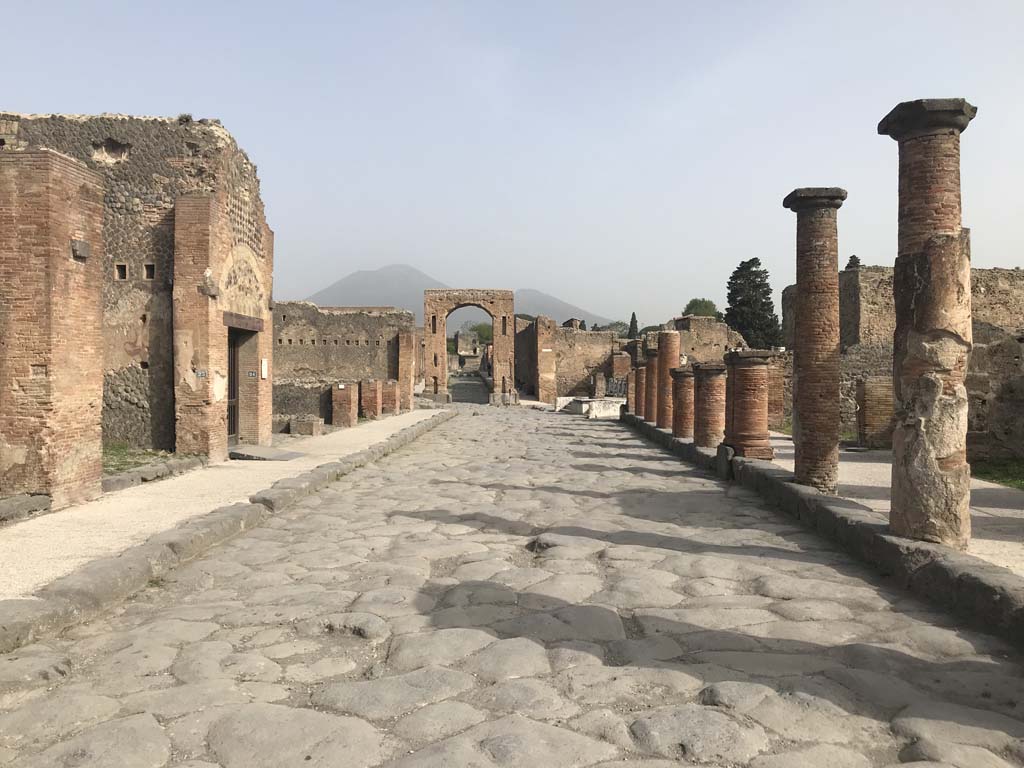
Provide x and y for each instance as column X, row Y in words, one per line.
column 96, row 586
column 156, row 470
column 985, row 596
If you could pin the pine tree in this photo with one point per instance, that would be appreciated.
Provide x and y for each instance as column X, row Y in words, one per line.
column 751, row 310
column 633, row 327
column 853, row 263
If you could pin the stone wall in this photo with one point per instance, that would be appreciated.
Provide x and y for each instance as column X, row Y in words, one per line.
column 315, row 348
column 146, row 165
column 703, row 339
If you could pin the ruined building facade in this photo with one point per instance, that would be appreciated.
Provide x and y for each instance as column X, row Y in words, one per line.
column 182, row 263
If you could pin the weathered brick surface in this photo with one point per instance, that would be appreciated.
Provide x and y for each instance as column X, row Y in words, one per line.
column 875, row 412
column 631, row 392
column 651, row 387
column 371, row 398
column 816, row 366
column 682, row 402
column 668, row 359
column 641, row 392
column 621, row 363
column 777, row 392
column 390, row 398
column 709, row 383
column 51, row 309
column 345, row 404
column 746, row 406
column 703, row 339
column 932, row 292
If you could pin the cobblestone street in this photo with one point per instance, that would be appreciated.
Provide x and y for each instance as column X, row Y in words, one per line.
column 524, row 589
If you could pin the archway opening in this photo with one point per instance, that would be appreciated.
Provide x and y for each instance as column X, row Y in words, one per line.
column 470, row 334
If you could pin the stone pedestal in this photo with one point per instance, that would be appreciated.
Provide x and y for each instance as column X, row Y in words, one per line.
column 816, row 365
column 746, row 405
column 651, row 387
column 371, row 398
column 708, row 404
column 682, row 402
column 932, row 343
column 345, row 405
column 668, row 358
column 641, row 392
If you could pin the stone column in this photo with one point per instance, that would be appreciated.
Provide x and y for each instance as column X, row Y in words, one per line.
column 641, row 391
column 682, row 402
column 651, row 387
column 746, row 404
column 708, row 404
column 932, row 343
column 668, row 358
column 816, row 367
column 631, row 392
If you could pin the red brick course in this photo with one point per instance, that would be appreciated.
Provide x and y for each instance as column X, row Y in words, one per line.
column 651, row 387
column 709, row 381
column 875, row 412
column 641, row 392
column 390, row 402
column 371, row 398
column 631, row 392
column 682, row 402
column 746, row 407
column 345, row 404
column 668, row 358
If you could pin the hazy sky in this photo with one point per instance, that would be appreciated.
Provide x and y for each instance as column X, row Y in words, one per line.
column 620, row 155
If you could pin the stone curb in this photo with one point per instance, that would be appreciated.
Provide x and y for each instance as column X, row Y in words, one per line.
column 97, row 585
column 150, row 472
column 987, row 596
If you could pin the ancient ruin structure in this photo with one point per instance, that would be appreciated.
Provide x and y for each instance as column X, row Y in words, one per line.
column 631, row 392
column 932, row 291
column 641, row 391
column 746, row 403
column 186, row 264
column 555, row 360
column 708, row 404
column 704, row 339
column 437, row 305
column 875, row 412
column 345, row 404
column 816, row 336
column 468, row 352
column 315, row 348
column 682, row 402
column 668, row 359
column 651, row 387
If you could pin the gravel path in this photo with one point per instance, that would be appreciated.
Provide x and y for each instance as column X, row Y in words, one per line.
column 518, row 589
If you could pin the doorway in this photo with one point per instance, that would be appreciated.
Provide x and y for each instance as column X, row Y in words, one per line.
column 234, row 342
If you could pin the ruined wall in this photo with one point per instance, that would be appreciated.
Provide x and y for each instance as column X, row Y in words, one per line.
column 703, row 339
column 526, row 356
column 146, row 164
column 317, row 347
column 995, row 381
column 51, row 377
column 579, row 356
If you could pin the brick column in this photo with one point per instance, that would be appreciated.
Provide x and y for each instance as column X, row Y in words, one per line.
column 371, row 398
column 708, row 404
column 816, row 367
column 776, row 393
column 651, row 387
column 682, row 402
column 746, row 407
column 874, row 412
column 345, row 405
column 390, row 403
column 668, row 358
column 641, row 392
column 932, row 344
column 631, row 392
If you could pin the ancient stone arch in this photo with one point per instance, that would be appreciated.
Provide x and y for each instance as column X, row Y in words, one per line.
column 437, row 305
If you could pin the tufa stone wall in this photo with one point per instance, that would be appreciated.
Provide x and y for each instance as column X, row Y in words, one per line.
column 146, row 164
column 702, row 339
column 315, row 348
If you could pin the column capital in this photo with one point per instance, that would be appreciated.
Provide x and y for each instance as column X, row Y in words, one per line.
column 805, row 198
column 684, row 372
column 652, row 352
column 927, row 116
column 709, row 368
column 749, row 357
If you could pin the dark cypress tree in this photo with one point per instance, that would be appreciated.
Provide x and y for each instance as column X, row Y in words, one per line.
column 751, row 310
column 634, row 329
column 583, row 325
column 853, row 263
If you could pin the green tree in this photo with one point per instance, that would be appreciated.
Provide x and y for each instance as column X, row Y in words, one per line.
column 751, row 310
column 634, row 328
column 620, row 328
column 484, row 332
column 702, row 307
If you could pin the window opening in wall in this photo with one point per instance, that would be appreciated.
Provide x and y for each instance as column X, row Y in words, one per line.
column 289, row 341
column 302, row 341
column 149, row 271
column 335, row 342
column 366, row 343
column 284, row 318
column 144, row 365
column 504, row 326
column 435, row 358
column 120, row 271
column 433, row 323
column 280, row 341
column 348, row 342
column 378, row 342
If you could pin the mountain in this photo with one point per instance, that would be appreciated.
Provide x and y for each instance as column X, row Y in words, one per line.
column 399, row 285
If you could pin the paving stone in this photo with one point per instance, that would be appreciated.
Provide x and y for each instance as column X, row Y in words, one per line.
column 438, row 648
column 44, row 720
column 437, row 721
column 604, row 725
column 130, row 742
column 537, row 697
column 817, row 756
column 505, row 659
column 32, row 666
column 271, row 736
column 322, row 669
column 960, row 755
column 393, row 696
column 698, row 734
column 946, row 722
column 182, row 699
column 634, row 687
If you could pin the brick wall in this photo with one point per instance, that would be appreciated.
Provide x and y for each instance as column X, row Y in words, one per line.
column 51, row 281
column 875, row 412
column 316, row 347
column 345, row 404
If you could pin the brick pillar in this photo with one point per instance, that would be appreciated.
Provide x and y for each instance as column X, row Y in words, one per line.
column 708, row 404
column 746, row 407
column 776, row 393
column 631, row 392
column 345, row 405
column 371, row 398
column 52, row 267
column 389, row 402
column 932, row 343
column 816, row 367
column 641, row 392
column 668, row 358
column 682, row 402
column 651, row 387
column 874, row 412
column 621, row 362
column 406, row 368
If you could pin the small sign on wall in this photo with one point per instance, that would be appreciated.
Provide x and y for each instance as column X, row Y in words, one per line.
column 200, row 374
column 264, row 368
column 251, row 374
